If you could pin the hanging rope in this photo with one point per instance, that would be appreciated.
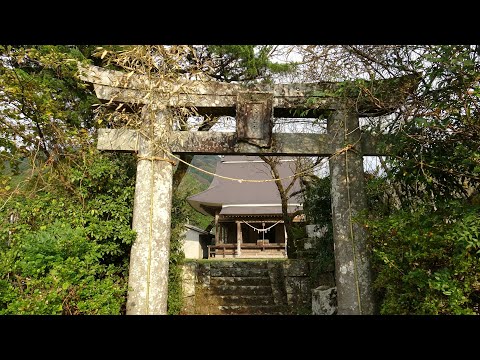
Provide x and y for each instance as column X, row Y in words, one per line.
column 156, row 158
column 247, row 180
column 262, row 230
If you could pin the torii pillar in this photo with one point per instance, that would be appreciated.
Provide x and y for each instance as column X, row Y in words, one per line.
column 148, row 273
column 352, row 260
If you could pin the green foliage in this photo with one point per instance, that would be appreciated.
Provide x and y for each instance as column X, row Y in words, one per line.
column 67, row 252
column 317, row 208
column 43, row 106
column 65, row 208
column 437, row 146
column 189, row 186
column 205, row 162
column 426, row 246
column 427, row 262
column 244, row 62
column 57, row 271
column 182, row 213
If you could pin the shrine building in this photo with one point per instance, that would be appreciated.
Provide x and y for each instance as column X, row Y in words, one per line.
column 248, row 215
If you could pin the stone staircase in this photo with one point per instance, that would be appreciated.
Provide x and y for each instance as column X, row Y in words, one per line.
column 250, row 288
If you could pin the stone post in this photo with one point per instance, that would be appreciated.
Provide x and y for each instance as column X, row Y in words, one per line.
column 352, row 259
column 149, row 259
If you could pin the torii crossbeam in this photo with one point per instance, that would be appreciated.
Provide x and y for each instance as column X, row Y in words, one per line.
column 254, row 109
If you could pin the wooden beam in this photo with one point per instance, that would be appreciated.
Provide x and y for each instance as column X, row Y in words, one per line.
column 207, row 142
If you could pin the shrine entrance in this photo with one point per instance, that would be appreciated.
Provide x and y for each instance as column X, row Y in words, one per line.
column 156, row 144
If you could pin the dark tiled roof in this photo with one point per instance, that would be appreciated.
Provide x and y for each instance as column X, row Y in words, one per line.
column 228, row 192
column 260, row 210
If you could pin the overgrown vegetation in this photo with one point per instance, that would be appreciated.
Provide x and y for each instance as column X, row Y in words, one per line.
column 426, row 247
column 66, row 252
column 65, row 208
column 423, row 204
column 428, row 261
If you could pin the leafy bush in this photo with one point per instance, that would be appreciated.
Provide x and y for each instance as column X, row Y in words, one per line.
column 57, row 271
column 67, row 249
column 428, row 262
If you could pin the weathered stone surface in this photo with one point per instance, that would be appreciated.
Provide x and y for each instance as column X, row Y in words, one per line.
column 205, row 142
column 188, row 306
column 327, row 279
column 122, row 86
column 254, row 117
column 188, row 288
column 203, row 274
column 234, row 293
column 298, row 291
column 324, row 300
column 117, row 140
column 296, row 267
column 202, row 142
column 188, row 271
column 316, row 231
column 149, row 258
column 238, row 272
column 240, row 281
column 352, row 260
column 276, row 274
column 246, row 299
column 253, row 310
column 243, row 289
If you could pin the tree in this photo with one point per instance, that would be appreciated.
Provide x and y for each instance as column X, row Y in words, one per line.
column 302, row 169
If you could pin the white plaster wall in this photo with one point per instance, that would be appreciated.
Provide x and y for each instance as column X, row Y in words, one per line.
column 191, row 245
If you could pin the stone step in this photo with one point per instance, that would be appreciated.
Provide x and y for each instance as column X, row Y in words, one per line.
column 240, row 281
column 237, row 272
column 243, row 300
column 252, row 310
column 240, row 290
column 239, row 263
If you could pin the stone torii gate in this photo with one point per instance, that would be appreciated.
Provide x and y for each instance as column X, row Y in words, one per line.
column 254, row 109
